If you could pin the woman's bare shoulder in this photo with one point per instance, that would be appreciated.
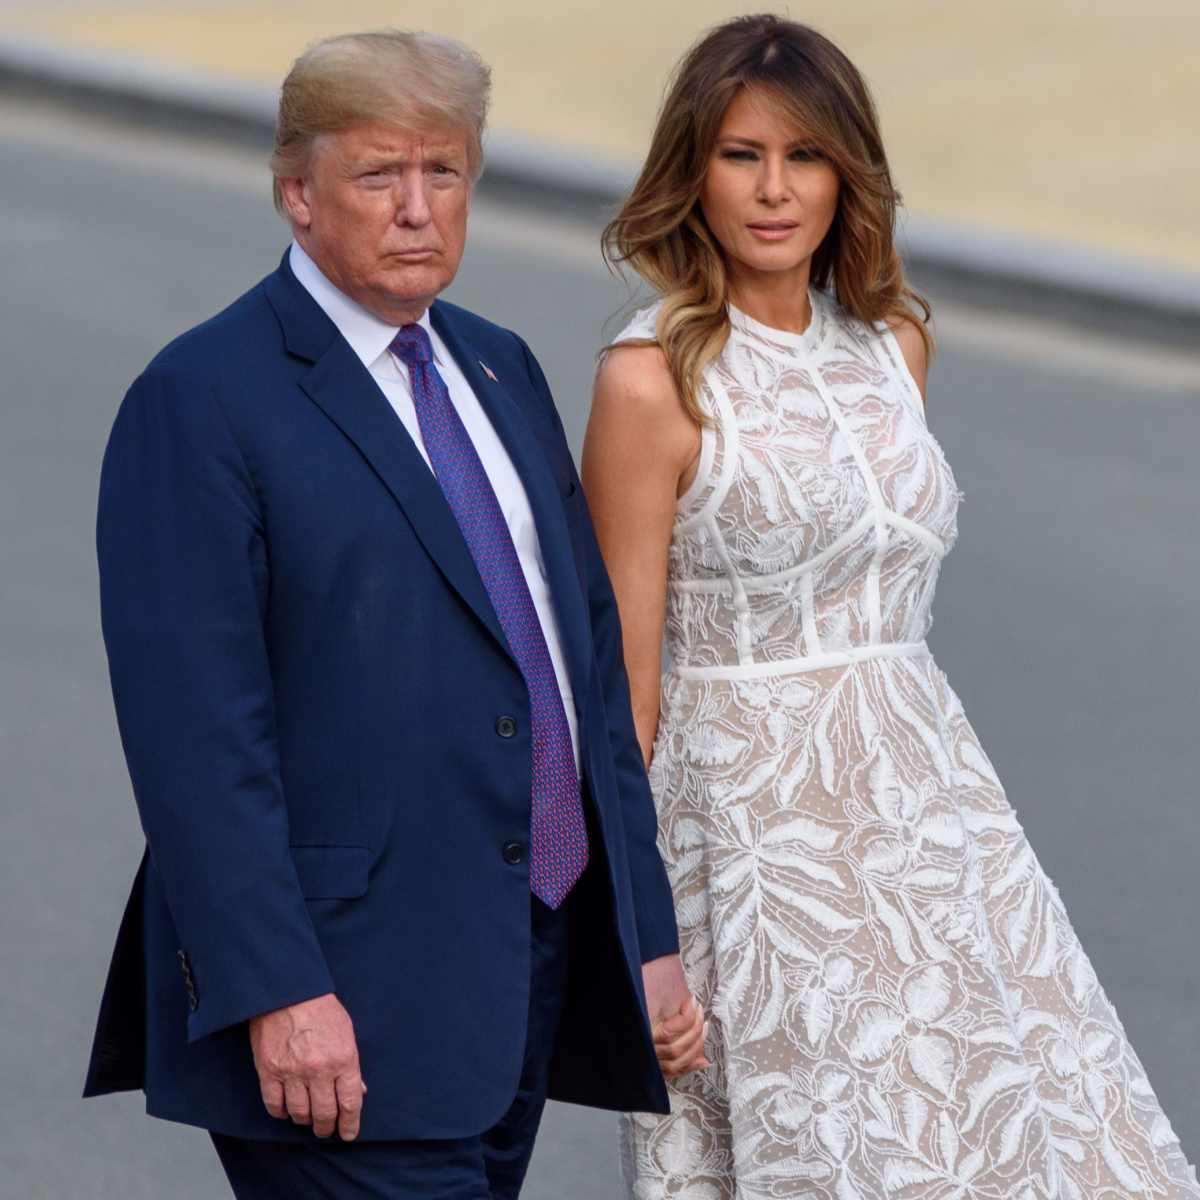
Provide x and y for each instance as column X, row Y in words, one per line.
column 635, row 377
column 907, row 332
column 636, row 368
column 635, row 397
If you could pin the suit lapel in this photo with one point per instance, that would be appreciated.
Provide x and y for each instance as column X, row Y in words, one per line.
column 514, row 430
column 343, row 389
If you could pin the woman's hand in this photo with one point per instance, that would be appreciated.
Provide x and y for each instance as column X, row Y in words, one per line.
column 676, row 1020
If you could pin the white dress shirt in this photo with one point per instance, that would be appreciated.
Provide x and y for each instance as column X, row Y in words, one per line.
column 369, row 337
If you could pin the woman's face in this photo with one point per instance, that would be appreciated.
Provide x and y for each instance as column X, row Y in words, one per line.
column 768, row 199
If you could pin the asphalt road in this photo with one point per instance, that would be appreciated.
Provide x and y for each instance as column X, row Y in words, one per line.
column 1065, row 616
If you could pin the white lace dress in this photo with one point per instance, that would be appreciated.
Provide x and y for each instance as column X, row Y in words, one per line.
column 899, row 1005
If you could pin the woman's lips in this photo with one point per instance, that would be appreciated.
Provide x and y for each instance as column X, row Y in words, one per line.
column 773, row 231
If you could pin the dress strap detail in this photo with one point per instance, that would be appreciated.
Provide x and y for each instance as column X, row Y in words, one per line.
column 809, row 662
column 722, row 435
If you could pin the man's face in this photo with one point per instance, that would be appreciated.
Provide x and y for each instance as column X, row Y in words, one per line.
column 383, row 212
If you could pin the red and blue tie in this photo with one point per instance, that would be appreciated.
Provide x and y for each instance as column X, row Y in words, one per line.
column 558, row 849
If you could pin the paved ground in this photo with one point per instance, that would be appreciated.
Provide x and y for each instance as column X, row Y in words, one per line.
column 1066, row 616
column 1079, row 119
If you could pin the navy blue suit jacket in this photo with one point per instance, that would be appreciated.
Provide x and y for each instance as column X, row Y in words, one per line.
column 308, row 677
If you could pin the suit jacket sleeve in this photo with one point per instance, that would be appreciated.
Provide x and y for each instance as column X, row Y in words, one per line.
column 183, row 588
column 653, row 902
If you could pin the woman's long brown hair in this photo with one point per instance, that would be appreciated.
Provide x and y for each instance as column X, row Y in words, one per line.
column 660, row 230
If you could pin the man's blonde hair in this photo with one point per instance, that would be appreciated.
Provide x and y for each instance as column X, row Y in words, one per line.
column 419, row 81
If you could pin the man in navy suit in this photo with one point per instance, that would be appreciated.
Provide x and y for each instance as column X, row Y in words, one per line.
column 368, row 674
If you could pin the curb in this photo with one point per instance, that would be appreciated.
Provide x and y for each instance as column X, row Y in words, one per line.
column 164, row 96
column 974, row 264
column 1042, row 276
column 135, row 89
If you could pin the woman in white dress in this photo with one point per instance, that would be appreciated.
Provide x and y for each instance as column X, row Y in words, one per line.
column 899, row 1006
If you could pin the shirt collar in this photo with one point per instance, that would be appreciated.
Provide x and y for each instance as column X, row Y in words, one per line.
column 369, row 336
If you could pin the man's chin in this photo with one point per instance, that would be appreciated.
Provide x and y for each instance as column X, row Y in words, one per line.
column 411, row 286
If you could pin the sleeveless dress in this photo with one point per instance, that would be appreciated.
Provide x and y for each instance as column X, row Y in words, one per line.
column 899, row 1006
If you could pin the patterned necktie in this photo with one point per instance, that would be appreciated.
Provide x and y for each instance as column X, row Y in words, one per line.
column 558, row 849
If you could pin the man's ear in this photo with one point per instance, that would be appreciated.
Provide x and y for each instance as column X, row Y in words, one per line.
column 295, row 200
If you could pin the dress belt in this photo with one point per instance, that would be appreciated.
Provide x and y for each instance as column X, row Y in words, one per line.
column 798, row 666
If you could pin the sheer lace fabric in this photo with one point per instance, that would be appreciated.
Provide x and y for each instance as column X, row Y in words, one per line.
column 899, row 1005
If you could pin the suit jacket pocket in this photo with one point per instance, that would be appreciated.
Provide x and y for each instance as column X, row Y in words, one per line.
column 332, row 872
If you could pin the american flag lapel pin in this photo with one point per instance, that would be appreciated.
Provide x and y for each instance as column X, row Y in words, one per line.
column 488, row 371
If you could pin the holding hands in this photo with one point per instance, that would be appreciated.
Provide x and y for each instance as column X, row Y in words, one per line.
column 676, row 1020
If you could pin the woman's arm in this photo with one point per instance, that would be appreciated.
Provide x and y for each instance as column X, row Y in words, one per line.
column 639, row 455
column 640, row 451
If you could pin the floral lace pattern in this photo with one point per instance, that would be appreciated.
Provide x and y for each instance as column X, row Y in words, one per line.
column 899, row 1005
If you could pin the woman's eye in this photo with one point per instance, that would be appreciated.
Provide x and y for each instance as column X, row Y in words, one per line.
column 805, row 155
column 739, row 155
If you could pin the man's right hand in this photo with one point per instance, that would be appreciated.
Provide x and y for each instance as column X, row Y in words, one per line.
column 307, row 1063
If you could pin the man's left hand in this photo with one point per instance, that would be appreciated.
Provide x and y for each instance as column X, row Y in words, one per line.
column 676, row 1020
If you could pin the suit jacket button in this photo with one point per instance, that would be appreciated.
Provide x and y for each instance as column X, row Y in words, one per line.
column 506, row 727
column 514, row 854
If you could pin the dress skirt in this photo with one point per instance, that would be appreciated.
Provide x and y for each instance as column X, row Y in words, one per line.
column 899, row 1005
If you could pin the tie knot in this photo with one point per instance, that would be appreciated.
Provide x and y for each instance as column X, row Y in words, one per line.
column 412, row 345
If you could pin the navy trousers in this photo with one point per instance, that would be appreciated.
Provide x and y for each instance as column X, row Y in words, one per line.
column 490, row 1166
